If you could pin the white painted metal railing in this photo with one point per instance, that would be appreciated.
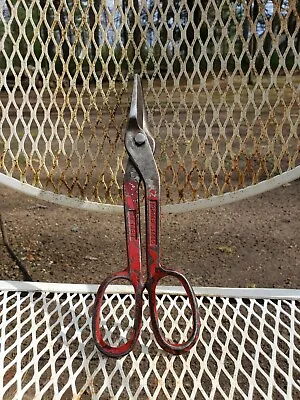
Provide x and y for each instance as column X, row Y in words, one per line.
column 249, row 345
column 221, row 82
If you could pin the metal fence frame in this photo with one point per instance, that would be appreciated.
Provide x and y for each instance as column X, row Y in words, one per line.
column 249, row 345
column 221, row 85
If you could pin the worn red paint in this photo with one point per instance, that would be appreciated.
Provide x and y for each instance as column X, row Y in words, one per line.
column 153, row 219
column 141, row 165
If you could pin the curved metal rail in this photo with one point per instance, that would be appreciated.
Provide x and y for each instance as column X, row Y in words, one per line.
column 210, row 202
column 222, row 94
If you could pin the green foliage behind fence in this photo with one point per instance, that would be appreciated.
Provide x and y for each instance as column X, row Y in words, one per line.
column 91, row 34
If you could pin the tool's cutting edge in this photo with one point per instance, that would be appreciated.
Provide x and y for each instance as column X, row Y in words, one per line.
column 136, row 112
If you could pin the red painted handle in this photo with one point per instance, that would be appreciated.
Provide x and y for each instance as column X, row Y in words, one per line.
column 173, row 348
column 103, row 346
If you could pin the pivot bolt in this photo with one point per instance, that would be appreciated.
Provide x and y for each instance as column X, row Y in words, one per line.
column 140, row 139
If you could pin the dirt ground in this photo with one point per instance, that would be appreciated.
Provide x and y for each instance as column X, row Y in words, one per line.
column 252, row 243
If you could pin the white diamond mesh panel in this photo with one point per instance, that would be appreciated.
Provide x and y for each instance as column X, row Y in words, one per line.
column 221, row 82
column 249, row 348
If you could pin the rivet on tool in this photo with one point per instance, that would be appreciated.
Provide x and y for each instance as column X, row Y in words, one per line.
column 140, row 139
column 142, row 170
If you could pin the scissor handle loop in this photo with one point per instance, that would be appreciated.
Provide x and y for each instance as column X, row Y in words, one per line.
column 171, row 347
column 104, row 347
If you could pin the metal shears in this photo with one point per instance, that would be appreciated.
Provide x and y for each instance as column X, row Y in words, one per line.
column 141, row 166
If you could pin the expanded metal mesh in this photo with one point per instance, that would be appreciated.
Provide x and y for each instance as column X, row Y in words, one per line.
column 248, row 348
column 221, row 82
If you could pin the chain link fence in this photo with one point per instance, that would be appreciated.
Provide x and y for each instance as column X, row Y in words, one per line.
column 221, row 82
column 249, row 345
